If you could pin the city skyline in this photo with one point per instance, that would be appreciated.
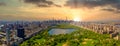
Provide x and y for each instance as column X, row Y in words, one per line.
column 84, row 10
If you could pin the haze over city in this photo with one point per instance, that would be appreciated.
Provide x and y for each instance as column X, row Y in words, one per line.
column 83, row 10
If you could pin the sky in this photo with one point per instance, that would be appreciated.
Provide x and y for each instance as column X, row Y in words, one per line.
column 81, row 10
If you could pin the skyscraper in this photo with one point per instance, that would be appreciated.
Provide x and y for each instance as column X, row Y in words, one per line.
column 21, row 32
column 8, row 36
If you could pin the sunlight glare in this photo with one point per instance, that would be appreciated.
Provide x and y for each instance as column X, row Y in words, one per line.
column 76, row 15
column 76, row 19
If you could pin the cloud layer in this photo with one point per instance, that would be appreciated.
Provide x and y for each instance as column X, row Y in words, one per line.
column 41, row 3
column 115, row 4
column 2, row 4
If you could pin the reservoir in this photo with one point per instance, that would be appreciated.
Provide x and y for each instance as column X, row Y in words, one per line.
column 57, row 31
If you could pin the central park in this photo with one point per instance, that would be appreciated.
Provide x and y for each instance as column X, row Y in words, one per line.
column 79, row 37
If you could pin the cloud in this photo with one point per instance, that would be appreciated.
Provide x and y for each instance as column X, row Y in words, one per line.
column 94, row 3
column 41, row 3
column 2, row 4
column 111, row 10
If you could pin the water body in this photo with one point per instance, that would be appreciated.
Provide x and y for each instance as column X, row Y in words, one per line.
column 57, row 31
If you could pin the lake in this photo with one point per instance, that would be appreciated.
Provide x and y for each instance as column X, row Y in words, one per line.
column 57, row 31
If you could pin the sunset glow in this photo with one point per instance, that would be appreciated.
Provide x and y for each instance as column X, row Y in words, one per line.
column 77, row 19
column 30, row 11
column 76, row 15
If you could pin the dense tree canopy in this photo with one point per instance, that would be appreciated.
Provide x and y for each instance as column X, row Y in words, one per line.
column 80, row 37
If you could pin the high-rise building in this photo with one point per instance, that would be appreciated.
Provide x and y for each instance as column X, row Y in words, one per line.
column 8, row 36
column 20, row 32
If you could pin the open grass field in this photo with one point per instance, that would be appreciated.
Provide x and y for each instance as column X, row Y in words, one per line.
column 80, row 37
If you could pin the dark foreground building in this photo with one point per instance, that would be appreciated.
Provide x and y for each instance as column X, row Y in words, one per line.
column 21, row 32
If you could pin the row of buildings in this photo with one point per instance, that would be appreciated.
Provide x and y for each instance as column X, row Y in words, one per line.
column 101, row 28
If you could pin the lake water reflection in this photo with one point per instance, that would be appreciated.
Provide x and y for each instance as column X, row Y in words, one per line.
column 57, row 31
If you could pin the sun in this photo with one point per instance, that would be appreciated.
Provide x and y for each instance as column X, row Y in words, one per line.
column 76, row 15
column 76, row 19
